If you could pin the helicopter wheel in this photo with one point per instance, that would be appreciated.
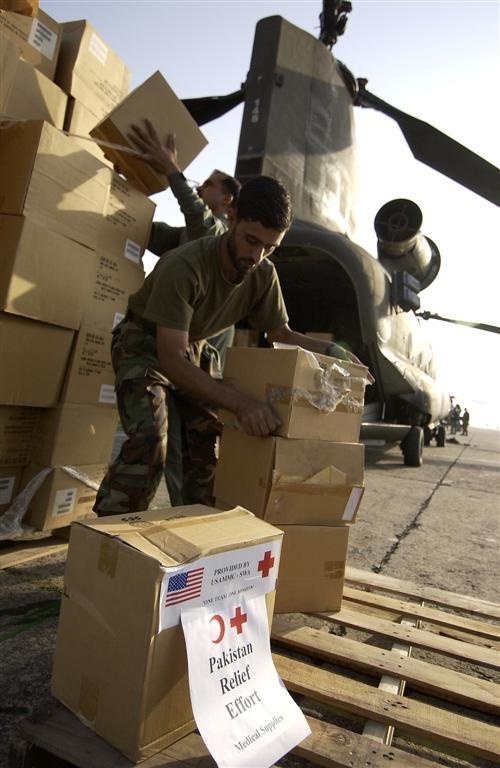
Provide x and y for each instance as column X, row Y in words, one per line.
column 441, row 436
column 412, row 447
column 427, row 435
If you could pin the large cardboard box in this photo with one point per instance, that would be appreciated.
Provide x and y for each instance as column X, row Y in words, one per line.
column 10, row 482
column 156, row 100
column 34, row 359
column 312, row 568
column 66, row 494
column 114, row 281
column 74, row 434
column 126, row 225
column 17, row 431
column 43, row 275
column 39, row 38
column 35, row 97
column 112, row 667
column 314, row 396
column 9, row 61
column 49, row 177
column 90, row 378
column 89, row 69
column 310, row 482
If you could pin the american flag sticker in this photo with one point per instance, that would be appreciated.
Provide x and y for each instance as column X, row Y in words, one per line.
column 184, row 586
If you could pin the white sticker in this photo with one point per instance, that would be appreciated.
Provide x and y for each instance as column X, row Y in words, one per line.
column 243, row 711
column 97, row 47
column 132, row 251
column 117, row 318
column 107, row 394
column 64, row 502
column 210, row 580
column 43, row 39
column 352, row 504
column 6, row 488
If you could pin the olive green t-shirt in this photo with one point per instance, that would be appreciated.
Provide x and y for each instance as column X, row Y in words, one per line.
column 187, row 291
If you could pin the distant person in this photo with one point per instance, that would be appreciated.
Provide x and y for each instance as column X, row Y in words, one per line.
column 205, row 212
column 465, row 422
column 455, row 418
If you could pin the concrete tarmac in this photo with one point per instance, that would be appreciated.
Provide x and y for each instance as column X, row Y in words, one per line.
column 437, row 525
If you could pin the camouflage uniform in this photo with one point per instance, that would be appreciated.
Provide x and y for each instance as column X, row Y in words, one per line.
column 143, row 395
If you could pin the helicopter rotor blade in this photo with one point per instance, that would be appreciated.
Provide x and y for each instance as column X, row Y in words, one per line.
column 208, row 108
column 478, row 326
column 438, row 150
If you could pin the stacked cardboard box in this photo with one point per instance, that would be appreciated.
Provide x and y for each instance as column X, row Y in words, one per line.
column 308, row 478
column 113, row 668
column 72, row 235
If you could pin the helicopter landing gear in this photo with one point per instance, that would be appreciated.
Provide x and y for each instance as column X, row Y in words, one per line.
column 440, row 436
column 427, row 435
column 412, row 445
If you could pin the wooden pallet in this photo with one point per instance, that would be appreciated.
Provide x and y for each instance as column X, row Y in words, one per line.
column 18, row 552
column 361, row 693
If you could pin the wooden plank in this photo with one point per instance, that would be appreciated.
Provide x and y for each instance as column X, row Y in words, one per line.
column 430, row 594
column 432, row 615
column 335, row 747
column 26, row 551
column 437, row 727
column 418, row 637
column 447, row 684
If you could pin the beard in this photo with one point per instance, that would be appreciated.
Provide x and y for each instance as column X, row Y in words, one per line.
column 243, row 267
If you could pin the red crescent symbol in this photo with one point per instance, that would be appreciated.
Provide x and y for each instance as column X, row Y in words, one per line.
column 222, row 629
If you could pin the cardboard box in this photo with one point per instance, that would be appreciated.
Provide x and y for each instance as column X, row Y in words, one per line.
column 34, row 359
column 90, row 378
column 126, row 225
column 309, row 482
column 109, row 621
column 9, row 61
column 10, row 481
column 89, row 70
column 114, row 281
column 43, row 275
column 17, row 430
column 245, row 337
column 39, row 38
column 26, row 7
column 79, row 121
column 66, row 494
column 156, row 100
column 312, row 568
column 49, row 177
column 74, row 434
column 35, row 97
column 315, row 396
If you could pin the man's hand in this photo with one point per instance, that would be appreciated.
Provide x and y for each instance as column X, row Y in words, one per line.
column 161, row 157
column 256, row 417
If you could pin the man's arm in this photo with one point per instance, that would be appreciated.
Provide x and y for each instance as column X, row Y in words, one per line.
column 255, row 416
column 163, row 238
column 200, row 220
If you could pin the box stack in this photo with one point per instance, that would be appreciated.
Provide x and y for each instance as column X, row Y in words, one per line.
column 308, row 478
column 72, row 234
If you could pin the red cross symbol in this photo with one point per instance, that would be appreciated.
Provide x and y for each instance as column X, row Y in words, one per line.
column 238, row 620
column 266, row 564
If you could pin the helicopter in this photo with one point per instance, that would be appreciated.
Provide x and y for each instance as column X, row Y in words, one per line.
column 298, row 125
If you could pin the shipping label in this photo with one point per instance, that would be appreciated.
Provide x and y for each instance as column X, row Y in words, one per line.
column 243, row 711
column 98, row 48
column 210, row 580
column 6, row 488
column 43, row 39
column 107, row 394
column 64, row 502
column 132, row 251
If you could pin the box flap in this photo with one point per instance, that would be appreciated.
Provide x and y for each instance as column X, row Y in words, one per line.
column 181, row 534
column 318, row 461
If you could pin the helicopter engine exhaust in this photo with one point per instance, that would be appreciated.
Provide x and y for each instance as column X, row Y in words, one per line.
column 401, row 246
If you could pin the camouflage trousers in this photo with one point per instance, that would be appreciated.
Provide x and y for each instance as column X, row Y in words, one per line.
column 133, row 477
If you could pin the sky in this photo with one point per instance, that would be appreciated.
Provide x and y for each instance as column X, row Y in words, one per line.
column 435, row 59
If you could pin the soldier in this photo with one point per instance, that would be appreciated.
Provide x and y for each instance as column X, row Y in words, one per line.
column 205, row 213
column 158, row 349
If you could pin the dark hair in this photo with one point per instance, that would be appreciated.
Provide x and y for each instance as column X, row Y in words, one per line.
column 231, row 185
column 265, row 199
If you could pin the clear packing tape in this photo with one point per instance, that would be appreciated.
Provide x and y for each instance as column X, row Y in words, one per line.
column 11, row 520
column 334, row 385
